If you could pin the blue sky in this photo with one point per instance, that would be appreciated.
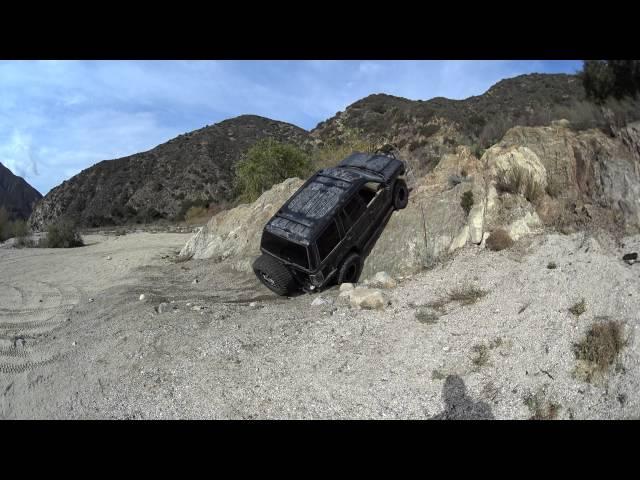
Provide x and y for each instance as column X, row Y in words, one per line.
column 60, row 117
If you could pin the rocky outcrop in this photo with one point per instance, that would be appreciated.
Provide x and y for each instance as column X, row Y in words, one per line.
column 587, row 177
column 16, row 195
column 156, row 184
column 432, row 224
column 593, row 177
column 235, row 234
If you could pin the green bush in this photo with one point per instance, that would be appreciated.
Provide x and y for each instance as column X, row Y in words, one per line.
column 21, row 233
column 266, row 163
column 62, row 234
column 467, row 201
column 4, row 225
column 606, row 78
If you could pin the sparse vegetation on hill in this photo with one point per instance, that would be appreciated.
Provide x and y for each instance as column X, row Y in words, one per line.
column 335, row 150
column 154, row 185
column 17, row 197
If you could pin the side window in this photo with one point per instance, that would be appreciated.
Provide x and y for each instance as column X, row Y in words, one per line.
column 368, row 192
column 352, row 212
column 328, row 240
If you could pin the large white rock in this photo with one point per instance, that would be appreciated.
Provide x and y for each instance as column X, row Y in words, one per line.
column 524, row 226
column 345, row 287
column 382, row 280
column 476, row 223
column 460, row 240
column 502, row 159
column 367, row 298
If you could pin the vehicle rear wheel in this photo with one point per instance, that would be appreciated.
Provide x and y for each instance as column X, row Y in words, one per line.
column 400, row 194
column 274, row 275
column 350, row 269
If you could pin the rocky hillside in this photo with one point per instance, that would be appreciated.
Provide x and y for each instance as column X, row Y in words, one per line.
column 568, row 181
column 199, row 165
column 16, row 195
column 154, row 184
column 426, row 130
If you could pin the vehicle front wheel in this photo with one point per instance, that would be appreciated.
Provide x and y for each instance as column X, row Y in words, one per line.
column 274, row 275
column 350, row 269
column 400, row 194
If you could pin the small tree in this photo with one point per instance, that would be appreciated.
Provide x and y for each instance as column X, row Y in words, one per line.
column 266, row 163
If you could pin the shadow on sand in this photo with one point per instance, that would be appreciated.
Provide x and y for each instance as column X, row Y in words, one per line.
column 459, row 406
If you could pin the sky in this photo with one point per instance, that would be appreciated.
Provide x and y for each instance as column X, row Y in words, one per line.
column 60, row 117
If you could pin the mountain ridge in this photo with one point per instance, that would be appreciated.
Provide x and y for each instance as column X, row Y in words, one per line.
column 17, row 196
column 199, row 164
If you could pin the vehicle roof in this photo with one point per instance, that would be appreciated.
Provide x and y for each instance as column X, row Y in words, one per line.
column 313, row 206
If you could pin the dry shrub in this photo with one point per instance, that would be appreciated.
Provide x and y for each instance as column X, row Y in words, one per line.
column 598, row 350
column 540, row 407
column 578, row 308
column 519, row 180
column 467, row 294
column 499, row 239
column 195, row 213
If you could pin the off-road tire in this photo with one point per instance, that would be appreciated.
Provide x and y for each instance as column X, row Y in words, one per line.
column 350, row 269
column 274, row 275
column 400, row 194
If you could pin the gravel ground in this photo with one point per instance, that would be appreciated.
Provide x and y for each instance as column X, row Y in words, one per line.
column 76, row 341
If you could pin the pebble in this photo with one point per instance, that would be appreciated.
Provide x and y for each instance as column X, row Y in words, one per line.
column 90, row 300
column 163, row 307
column 142, row 297
column 318, row 301
column 253, row 304
column 109, row 258
column 445, row 349
column 195, row 280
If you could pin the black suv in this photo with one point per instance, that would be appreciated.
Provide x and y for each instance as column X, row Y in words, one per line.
column 323, row 233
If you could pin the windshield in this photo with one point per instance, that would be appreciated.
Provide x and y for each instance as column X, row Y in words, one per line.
column 285, row 249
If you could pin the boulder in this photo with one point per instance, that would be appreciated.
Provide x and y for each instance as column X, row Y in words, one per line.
column 382, row 280
column 367, row 298
column 345, row 287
